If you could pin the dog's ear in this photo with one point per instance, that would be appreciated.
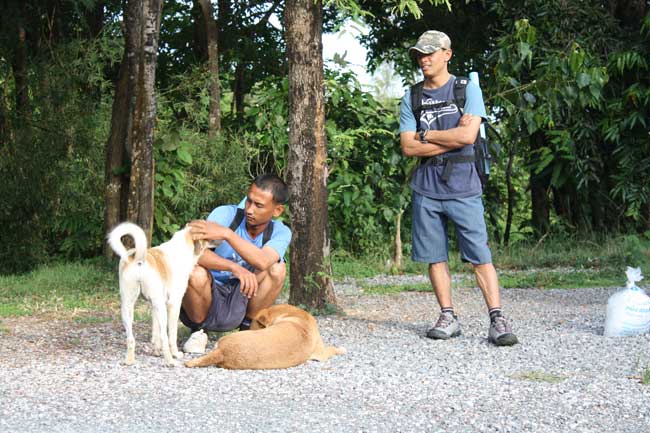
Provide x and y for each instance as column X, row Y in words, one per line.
column 261, row 320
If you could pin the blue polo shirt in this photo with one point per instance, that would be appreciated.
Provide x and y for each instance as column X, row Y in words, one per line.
column 224, row 216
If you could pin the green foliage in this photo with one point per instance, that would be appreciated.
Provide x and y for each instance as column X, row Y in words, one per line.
column 52, row 162
column 576, row 84
column 194, row 173
column 367, row 179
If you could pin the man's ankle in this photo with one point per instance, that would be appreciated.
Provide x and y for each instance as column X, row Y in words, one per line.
column 245, row 324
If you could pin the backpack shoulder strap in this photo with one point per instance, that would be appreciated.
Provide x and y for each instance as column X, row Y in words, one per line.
column 416, row 101
column 239, row 217
column 460, row 87
column 268, row 232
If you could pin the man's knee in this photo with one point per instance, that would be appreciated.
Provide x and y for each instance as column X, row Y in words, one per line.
column 278, row 272
column 199, row 278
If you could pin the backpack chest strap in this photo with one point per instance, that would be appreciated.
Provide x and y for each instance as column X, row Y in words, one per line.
column 447, row 161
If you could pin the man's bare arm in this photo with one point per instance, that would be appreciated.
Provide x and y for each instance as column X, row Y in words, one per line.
column 441, row 141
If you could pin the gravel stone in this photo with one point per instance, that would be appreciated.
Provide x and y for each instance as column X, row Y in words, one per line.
column 58, row 376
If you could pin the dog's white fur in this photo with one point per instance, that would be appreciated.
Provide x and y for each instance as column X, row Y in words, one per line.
column 161, row 275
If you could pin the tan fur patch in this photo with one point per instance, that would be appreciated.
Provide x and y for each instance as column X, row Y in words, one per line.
column 156, row 259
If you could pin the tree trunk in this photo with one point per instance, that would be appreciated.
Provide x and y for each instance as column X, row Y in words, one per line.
column 398, row 257
column 19, row 67
column 116, row 173
column 629, row 12
column 311, row 283
column 238, row 90
column 95, row 19
column 511, row 197
column 214, row 122
column 539, row 192
column 140, row 208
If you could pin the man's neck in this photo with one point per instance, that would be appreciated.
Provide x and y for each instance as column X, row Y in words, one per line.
column 438, row 81
column 255, row 231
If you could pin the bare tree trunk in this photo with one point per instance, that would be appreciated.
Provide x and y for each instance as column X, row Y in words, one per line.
column 511, row 197
column 630, row 12
column 140, row 208
column 19, row 67
column 311, row 283
column 119, row 147
column 238, row 90
column 214, row 122
column 116, row 173
column 95, row 18
column 398, row 257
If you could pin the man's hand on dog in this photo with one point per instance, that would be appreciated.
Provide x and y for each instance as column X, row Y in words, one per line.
column 201, row 229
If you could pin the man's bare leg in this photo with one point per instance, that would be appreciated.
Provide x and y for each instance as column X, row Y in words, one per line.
column 198, row 297
column 486, row 277
column 270, row 283
column 441, row 283
column 500, row 332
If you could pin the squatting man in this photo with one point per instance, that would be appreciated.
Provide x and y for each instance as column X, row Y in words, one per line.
column 246, row 272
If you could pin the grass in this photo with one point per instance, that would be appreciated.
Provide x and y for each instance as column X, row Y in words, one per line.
column 87, row 293
column 538, row 376
column 74, row 290
column 645, row 376
column 559, row 262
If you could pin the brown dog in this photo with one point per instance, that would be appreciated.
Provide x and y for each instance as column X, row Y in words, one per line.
column 281, row 336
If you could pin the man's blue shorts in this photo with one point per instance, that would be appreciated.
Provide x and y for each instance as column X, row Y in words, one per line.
column 430, row 216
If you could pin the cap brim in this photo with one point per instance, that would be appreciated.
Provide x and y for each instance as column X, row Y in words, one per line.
column 419, row 50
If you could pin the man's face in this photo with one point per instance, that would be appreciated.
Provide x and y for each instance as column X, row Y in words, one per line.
column 435, row 63
column 260, row 207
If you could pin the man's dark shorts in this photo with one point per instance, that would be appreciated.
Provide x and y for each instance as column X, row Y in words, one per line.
column 227, row 310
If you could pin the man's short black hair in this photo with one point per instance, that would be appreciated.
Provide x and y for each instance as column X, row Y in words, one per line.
column 273, row 183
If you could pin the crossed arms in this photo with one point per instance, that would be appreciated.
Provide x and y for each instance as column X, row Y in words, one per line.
column 441, row 141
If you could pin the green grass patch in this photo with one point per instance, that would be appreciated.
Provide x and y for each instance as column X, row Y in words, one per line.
column 93, row 319
column 565, row 278
column 539, row 376
column 390, row 289
column 645, row 376
column 65, row 289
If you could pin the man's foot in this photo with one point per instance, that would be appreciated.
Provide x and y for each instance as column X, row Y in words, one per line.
column 445, row 328
column 500, row 333
column 196, row 343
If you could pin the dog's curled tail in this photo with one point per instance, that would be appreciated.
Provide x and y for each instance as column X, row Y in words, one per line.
column 138, row 235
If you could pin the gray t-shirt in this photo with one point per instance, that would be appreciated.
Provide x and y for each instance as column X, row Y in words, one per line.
column 427, row 178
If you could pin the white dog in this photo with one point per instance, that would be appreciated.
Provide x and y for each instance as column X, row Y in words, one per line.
column 161, row 275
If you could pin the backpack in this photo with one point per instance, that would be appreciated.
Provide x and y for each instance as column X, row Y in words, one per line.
column 482, row 157
column 239, row 216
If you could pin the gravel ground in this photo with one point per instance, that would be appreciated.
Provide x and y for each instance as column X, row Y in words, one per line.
column 563, row 377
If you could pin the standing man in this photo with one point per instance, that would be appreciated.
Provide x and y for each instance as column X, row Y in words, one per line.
column 246, row 272
column 446, row 185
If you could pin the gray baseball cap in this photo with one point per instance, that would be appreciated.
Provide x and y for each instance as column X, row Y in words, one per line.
column 430, row 42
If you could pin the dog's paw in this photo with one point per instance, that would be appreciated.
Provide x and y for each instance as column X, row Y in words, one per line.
column 173, row 364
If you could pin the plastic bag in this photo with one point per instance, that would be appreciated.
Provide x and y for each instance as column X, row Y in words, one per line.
column 628, row 310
